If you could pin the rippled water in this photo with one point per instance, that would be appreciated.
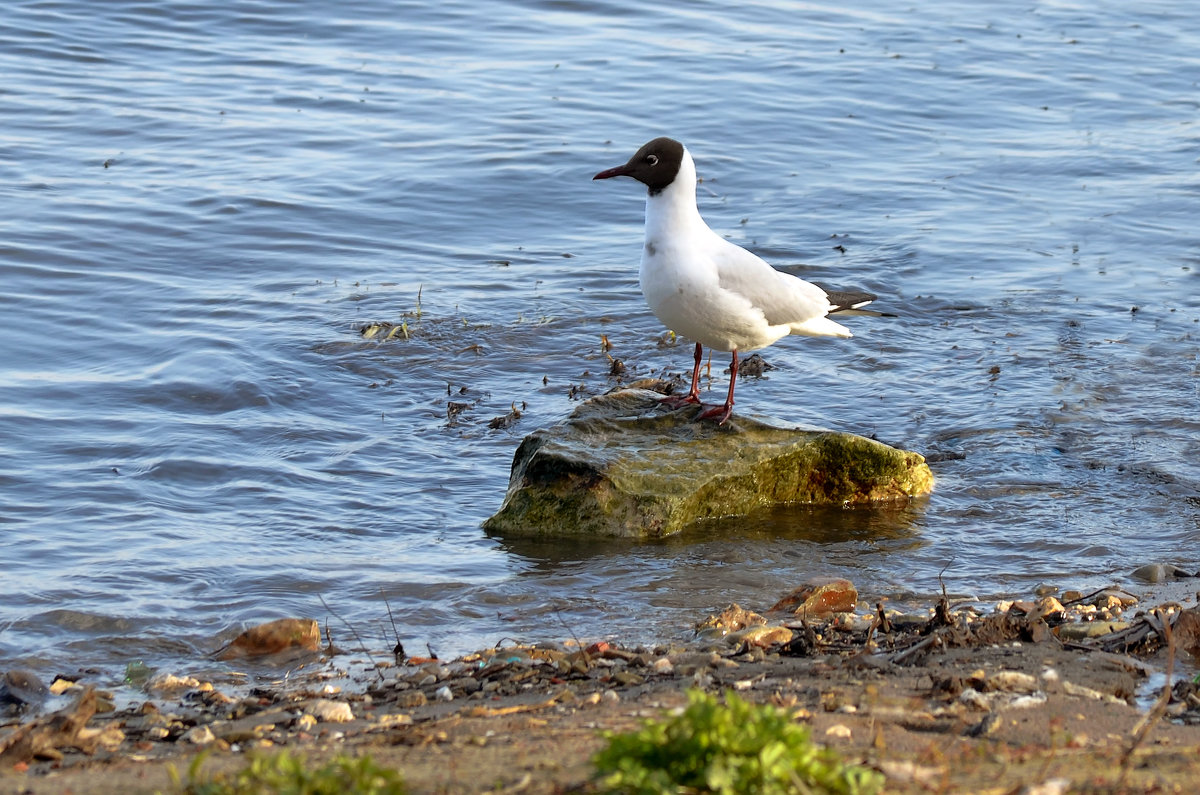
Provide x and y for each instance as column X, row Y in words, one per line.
column 203, row 201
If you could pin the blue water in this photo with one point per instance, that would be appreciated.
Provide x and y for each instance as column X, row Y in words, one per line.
column 202, row 202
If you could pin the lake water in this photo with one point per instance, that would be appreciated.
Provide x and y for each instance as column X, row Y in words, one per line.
column 202, row 202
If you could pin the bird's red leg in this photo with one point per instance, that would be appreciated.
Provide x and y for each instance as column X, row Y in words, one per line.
column 693, row 395
column 721, row 413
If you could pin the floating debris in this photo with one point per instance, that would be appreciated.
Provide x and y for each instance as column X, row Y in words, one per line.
column 389, row 330
column 753, row 366
column 508, row 420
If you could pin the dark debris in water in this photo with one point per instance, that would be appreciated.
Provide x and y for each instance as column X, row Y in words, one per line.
column 507, row 420
column 383, row 330
column 753, row 366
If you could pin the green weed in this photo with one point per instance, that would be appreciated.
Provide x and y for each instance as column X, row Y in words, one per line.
column 284, row 774
column 733, row 748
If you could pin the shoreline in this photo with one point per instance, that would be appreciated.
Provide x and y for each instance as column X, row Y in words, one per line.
column 962, row 702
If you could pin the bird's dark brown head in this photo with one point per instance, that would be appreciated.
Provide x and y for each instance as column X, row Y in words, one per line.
column 654, row 165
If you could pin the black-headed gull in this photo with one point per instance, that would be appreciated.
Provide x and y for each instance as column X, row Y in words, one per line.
column 712, row 291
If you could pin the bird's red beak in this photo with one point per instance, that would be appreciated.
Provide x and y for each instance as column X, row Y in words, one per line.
column 619, row 171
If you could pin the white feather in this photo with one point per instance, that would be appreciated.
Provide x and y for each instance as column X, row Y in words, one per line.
column 716, row 293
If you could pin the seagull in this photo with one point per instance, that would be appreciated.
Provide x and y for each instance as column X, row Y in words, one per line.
column 712, row 291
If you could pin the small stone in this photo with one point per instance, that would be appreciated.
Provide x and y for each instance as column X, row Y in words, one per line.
column 840, row 731
column 415, row 698
column 171, row 682
column 761, row 636
column 1043, row 589
column 907, row 771
column 199, row 735
column 975, row 700
column 22, row 689
column 1049, row 606
column 108, row 737
column 329, row 711
column 1051, row 786
column 662, row 665
column 1028, row 701
column 466, row 684
column 444, row 694
column 1079, row 691
column 731, row 619
column 273, row 637
column 1186, row 631
column 1071, row 596
column 909, row 622
column 1159, row 572
column 1114, row 597
column 628, row 679
column 1012, row 681
column 395, row 719
column 849, row 622
column 60, row 686
column 610, row 697
column 820, row 597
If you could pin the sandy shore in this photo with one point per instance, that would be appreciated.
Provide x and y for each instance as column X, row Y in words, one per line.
column 981, row 703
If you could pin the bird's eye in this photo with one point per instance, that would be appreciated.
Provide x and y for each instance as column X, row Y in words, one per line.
column 652, row 160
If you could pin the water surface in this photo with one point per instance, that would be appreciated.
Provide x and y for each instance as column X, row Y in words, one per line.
column 203, row 202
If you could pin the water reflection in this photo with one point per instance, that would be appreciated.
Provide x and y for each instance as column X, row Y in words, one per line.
column 823, row 529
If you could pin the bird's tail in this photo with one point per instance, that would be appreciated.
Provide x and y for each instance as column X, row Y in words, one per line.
column 851, row 302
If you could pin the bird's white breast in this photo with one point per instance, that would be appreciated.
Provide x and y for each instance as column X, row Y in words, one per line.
column 681, row 274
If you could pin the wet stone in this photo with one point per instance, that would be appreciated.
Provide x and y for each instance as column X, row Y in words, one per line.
column 1114, row 597
column 761, row 636
column 199, row 735
column 820, row 598
column 21, row 690
column 1049, row 606
column 465, row 684
column 731, row 619
column 274, row 637
column 623, row 465
column 628, row 679
column 1186, row 632
column 1160, row 572
column 329, row 711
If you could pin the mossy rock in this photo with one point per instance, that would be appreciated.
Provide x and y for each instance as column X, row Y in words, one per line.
column 623, row 465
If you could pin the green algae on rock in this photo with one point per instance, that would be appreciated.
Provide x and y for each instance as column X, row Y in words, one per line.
column 623, row 465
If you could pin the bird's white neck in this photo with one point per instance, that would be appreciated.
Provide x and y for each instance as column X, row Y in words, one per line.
column 672, row 211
